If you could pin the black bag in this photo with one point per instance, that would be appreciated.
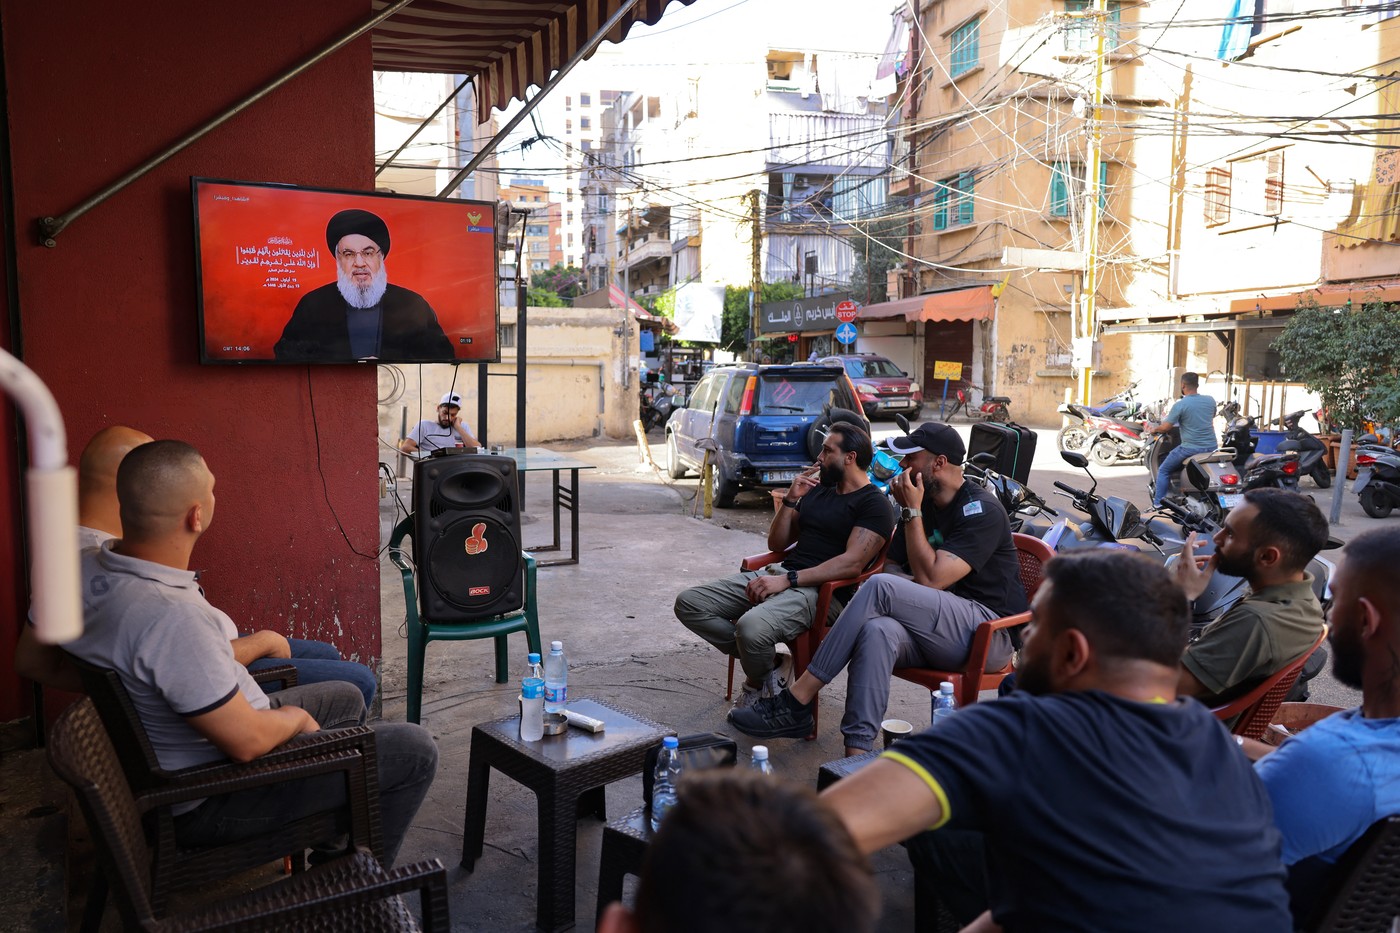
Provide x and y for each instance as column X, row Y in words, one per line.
column 699, row 751
column 1011, row 444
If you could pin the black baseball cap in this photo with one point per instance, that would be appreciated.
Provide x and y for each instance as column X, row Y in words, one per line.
column 935, row 437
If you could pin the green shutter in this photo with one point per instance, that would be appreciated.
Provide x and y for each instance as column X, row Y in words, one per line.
column 940, row 206
column 1059, row 191
column 965, row 186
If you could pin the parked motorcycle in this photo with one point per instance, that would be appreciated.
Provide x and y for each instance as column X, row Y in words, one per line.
column 1210, row 482
column 1377, row 477
column 657, row 402
column 1312, row 453
column 1076, row 434
column 1279, row 470
column 993, row 408
column 1113, row 520
column 1021, row 503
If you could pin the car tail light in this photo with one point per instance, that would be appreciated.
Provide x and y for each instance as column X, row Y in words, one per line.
column 852, row 386
column 1230, row 479
column 746, row 406
column 1291, row 468
column 1364, row 459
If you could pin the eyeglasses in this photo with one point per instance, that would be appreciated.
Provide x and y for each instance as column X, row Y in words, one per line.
column 368, row 253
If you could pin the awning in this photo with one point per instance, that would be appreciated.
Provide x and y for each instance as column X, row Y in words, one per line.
column 505, row 45
column 1331, row 295
column 962, row 304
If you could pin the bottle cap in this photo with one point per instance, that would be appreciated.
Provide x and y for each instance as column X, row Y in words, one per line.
column 671, row 742
column 532, row 688
column 556, row 646
column 945, row 687
column 532, row 658
column 760, row 753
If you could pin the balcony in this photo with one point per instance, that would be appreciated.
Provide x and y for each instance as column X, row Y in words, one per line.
column 650, row 248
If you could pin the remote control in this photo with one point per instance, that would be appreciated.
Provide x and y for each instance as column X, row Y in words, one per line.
column 586, row 723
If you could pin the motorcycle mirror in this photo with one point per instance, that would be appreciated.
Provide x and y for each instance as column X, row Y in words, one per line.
column 1333, row 543
column 903, row 423
column 1075, row 458
column 984, row 458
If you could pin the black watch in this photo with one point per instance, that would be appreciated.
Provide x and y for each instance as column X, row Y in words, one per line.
column 792, row 578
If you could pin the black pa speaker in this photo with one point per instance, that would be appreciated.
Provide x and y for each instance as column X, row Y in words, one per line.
column 466, row 537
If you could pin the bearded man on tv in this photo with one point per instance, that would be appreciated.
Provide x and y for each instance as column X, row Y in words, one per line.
column 361, row 316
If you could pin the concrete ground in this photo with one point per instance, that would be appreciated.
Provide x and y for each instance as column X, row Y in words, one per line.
column 640, row 546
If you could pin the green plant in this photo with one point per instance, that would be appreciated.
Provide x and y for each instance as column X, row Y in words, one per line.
column 1343, row 356
column 1383, row 401
column 543, row 298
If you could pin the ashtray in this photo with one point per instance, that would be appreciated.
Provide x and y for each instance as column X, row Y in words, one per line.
column 555, row 723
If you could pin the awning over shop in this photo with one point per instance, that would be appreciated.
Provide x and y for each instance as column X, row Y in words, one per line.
column 963, row 304
column 1332, row 295
column 505, row 45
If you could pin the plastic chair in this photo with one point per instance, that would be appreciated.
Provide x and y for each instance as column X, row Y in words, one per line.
column 973, row 678
column 805, row 645
column 421, row 631
column 1367, row 896
column 1256, row 708
column 350, row 893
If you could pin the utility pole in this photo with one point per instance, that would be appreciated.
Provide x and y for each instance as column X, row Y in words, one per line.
column 626, row 293
column 757, row 220
column 1083, row 351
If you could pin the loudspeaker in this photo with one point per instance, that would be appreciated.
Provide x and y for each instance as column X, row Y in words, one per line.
column 466, row 537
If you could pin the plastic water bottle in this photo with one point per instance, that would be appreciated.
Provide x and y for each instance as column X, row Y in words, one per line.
column 759, row 762
column 944, row 704
column 532, row 665
column 663, row 791
column 556, row 679
column 531, row 709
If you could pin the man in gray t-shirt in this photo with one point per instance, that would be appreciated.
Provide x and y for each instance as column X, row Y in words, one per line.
column 1194, row 414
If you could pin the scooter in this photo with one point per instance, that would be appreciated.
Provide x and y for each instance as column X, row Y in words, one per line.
column 1075, row 435
column 993, row 408
column 1210, row 482
column 1279, row 470
column 1377, row 477
column 657, row 403
column 1311, row 451
column 1114, row 440
column 1112, row 520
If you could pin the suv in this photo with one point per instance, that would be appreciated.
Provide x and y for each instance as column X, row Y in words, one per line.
column 767, row 423
column 882, row 386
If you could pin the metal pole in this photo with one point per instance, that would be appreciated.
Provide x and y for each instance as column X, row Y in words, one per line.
column 584, row 51
column 51, row 227
column 422, row 126
column 626, row 294
column 521, row 300
column 1091, row 207
column 1343, row 460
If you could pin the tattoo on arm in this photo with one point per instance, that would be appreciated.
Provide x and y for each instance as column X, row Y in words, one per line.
column 867, row 544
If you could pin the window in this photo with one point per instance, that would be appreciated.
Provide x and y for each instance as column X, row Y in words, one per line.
column 1273, row 183
column 1067, row 188
column 568, row 127
column 735, row 396
column 569, row 195
column 1217, row 197
column 507, row 335
column 585, row 100
column 584, row 123
column 1080, row 34
column 964, row 55
column 570, row 243
column 569, row 217
column 537, row 230
column 568, row 103
column 952, row 201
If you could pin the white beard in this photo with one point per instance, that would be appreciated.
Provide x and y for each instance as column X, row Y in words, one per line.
column 367, row 296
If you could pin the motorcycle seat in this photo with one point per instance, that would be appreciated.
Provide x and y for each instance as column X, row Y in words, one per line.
column 1214, row 456
column 1005, row 400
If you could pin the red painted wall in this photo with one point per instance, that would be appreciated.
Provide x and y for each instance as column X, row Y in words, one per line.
column 108, row 316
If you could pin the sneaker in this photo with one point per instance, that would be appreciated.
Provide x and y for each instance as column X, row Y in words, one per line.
column 748, row 696
column 781, row 675
column 778, row 717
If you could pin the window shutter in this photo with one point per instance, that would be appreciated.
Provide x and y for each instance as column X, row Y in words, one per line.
column 965, row 186
column 940, row 206
column 1217, row 197
column 1059, row 191
column 1273, row 183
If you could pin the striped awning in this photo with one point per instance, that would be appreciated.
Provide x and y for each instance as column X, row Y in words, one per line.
column 504, row 45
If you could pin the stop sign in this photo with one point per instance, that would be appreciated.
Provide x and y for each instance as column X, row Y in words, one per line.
column 846, row 312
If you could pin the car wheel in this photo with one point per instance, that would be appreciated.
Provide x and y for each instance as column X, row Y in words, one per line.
column 1073, row 437
column 1104, row 453
column 674, row 468
column 722, row 489
column 1375, row 502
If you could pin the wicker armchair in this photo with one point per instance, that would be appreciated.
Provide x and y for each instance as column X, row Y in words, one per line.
column 1252, row 712
column 155, row 790
column 350, row 893
column 1367, row 878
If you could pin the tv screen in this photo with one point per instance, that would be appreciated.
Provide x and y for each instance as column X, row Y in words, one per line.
column 307, row 275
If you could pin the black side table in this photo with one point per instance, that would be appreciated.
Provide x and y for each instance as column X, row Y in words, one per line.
column 567, row 774
column 833, row 771
column 625, row 844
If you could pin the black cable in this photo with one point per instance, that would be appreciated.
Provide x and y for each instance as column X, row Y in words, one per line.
column 325, row 487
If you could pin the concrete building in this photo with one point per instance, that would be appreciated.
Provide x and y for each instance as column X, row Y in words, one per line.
column 402, row 102
column 543, row 238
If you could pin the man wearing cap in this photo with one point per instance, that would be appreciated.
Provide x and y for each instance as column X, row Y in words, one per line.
column 360, row 315
column 449, row 430
column 955, row 542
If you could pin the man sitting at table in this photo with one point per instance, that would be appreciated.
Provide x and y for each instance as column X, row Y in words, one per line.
column 1103, row 801
column 838, row 522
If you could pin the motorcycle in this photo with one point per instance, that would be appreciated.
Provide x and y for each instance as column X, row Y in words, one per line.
column 993, row 408
column 1279, row 470
column 1311, row 451
column 1022, row 505
column 1076, row 434
column 1210, row 482
column 1377, row 477
column 657, row 403
column 1112, row 520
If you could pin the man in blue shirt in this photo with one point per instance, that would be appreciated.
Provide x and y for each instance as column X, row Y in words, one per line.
column 1194, row 414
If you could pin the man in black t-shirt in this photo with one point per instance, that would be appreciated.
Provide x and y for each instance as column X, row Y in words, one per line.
column 1103, row 802
column 837, row 521
column 956, row 542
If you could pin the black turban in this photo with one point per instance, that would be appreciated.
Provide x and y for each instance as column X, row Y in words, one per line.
column 356, row 221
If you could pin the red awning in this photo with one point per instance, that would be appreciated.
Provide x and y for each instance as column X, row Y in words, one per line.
column 963, row 304
column 505, row 45
column 1329, row 295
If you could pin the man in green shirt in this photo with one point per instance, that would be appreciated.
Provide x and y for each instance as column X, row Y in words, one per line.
column 1268, row 541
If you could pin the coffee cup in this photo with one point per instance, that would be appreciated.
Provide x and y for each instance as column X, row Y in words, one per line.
column 895, row 729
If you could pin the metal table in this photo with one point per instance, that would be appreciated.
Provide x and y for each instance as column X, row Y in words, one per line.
column 534, row 460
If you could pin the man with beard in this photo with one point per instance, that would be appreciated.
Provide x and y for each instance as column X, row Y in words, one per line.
column 836, row 522
column 1330, row 782
column 1268, row 541
column 449, row 430
column 361, row 316
column 1100, row 800
column 957, row 545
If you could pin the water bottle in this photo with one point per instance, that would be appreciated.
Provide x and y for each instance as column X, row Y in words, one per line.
column 944, row 704
column 556, row 679
column 531, row 709
column 668, row 769
column 759, row 762
column 532, row 665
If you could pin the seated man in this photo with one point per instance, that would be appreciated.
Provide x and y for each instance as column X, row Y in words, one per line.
column 1268, row 541
column 145, row 617
column 449, row 430
column 956, row 540
column 838, row 521
column 99, row 520
column 1106, row 803
column 1330, row 782
column 743, row 851
column 1194, row 414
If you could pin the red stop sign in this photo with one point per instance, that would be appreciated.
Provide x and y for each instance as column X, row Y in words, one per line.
column 846, row 312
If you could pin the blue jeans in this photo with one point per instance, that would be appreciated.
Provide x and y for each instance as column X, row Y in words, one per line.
column 317, row 662
column 1170, row 465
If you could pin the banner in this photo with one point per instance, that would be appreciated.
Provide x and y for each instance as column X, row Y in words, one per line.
column 699, row 309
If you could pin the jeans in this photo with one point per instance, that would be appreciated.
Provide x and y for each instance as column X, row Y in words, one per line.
column 1173, row 461
column 317, row 662
column 405, row 753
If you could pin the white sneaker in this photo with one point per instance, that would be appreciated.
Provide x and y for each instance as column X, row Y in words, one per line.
column 748, row 696
column 781, row 675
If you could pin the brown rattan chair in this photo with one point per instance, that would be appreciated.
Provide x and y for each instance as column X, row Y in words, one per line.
column 1367, row 897
column 1257, row 707
column 973, row 677
column 349, row 893
column 156, row 790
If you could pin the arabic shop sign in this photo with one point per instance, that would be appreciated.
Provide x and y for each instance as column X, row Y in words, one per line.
column 800, row 315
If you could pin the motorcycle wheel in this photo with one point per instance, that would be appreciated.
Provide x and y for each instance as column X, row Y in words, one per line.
column 1321, row 475
column 1103, row 453
column 674, row 468
column 999, row 413
column 1073, row 437
column 1376, row 503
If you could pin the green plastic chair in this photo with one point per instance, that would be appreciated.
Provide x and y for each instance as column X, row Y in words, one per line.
column 421, row 631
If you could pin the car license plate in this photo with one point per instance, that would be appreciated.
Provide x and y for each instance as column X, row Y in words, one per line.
column 780, row 476
column 894, row 403
column 1230, row 500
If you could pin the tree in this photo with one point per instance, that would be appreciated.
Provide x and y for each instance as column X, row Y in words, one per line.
column 877, row 253
column 736, row 320
column 1343, row 356
column 564, row 281
column 543, row 298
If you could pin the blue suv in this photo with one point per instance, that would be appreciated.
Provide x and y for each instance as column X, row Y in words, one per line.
column 761, row 419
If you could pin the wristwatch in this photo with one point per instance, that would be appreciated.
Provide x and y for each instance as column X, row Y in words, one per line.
column 907, row 514
column 792, row 578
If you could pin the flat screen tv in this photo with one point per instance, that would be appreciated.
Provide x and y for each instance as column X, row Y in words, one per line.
column 310, row 275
